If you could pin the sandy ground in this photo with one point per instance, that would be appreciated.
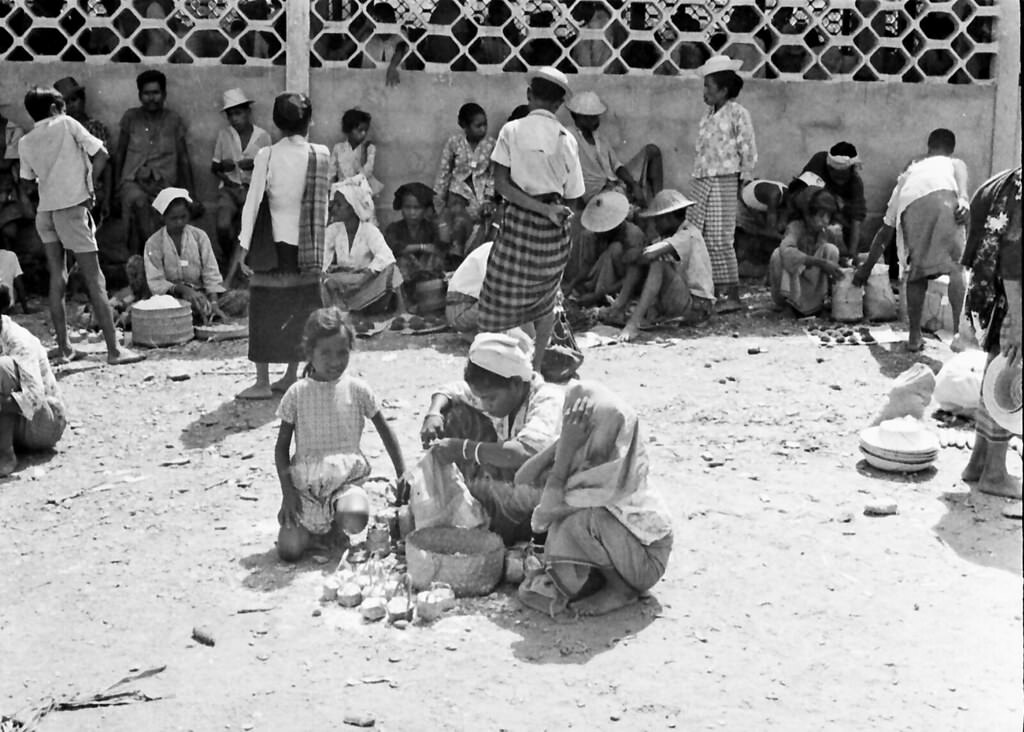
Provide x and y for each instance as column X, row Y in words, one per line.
column 784, row 607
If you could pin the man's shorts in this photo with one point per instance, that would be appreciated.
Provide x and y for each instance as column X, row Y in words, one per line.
column 73, row 227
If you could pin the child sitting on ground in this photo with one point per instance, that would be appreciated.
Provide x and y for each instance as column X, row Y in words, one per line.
column 465, row 184
column 355, row 154
column 597, row 266
column 414, row 238
column 325, row 412
column 674, row 274
column 232, row 162
column 179, row 258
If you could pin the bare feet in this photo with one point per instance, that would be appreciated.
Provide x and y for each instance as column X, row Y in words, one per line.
column 8, row 462
column 282, row 385
column 915, row 346
column 123, row 356
column 1003, row 485
column 976, row 464
column 255, row 392
column 629, row 333
column 61, row 358
column 605, row 601
column 729, row 305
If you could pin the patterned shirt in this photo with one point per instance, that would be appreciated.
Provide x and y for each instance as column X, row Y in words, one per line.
column 725, row 143
column 537, row 423
column 328, row 416
column 38, row 385
column 57, row 153
column 541, row 155
column 466, row 170
column 229, row 147
column 347, row 161
column 195, row 266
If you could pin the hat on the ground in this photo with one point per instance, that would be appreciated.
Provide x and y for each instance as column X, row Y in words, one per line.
column 553, row 76
column 234, row 98
column 587, row 103
column 605, row 211
column 718, row 63
column 1001, row 393
column 167, row 196
column 666, row 201
column 901, row 445
column 68, row 87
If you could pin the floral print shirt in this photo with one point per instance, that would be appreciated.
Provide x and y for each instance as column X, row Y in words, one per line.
column 466, row 170
column 725, row 143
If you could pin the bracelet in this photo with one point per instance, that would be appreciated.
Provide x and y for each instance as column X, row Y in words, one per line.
column 464, row 455
column 476, row 453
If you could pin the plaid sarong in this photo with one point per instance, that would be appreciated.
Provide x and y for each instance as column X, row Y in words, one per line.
column 715, row 215
column 524, row 270
column 313, row 213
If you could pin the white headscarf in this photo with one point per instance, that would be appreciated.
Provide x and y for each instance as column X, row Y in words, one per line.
column 507, row 354
column 359, row 195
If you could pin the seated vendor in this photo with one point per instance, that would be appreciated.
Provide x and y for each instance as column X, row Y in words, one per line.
column 607, row 530
column 414, row 238
column 31, row 408
column 762, row 208
column 489, row 424
column 598, row 265
column 800, row 269
column 361, row 269
column 673, row 275
column 839, row 170
column 179, row 257
column 462, row 301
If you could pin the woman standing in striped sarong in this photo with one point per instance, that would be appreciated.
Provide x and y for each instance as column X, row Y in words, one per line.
column 726, row 155
column 537, row 171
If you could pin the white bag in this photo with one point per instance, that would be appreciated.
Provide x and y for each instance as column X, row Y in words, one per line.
column 958, row 385
column 439, row 496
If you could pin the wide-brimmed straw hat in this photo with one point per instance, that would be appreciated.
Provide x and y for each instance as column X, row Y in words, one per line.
column 586, row 103
column 234, row 98
column 605, row 211
column 666, row 201
column 553, row 75
column 718, row 63
column 899, row 445
column 1001, row 393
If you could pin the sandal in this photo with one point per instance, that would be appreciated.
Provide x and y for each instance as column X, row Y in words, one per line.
column 59, row 358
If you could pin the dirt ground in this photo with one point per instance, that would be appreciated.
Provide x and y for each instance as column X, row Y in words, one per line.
column 784, row 607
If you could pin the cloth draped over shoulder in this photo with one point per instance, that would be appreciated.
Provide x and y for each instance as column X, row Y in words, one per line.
column 919, row 180
column 610, row 469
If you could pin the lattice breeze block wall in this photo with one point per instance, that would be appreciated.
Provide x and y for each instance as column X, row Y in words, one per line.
column 861, row 40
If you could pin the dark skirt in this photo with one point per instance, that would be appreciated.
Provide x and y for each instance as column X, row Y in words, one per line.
column 280, row 302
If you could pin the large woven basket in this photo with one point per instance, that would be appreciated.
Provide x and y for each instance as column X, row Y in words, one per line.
column 156, row 328
column 470, row 560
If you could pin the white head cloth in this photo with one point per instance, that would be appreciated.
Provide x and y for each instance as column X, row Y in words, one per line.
column 505, row 354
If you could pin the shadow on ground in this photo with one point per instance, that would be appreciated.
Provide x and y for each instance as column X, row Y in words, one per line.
column 268, row 573
column 234, row 415
column 974, row 527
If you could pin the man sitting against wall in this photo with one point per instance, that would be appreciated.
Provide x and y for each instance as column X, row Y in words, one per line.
column 152, row 154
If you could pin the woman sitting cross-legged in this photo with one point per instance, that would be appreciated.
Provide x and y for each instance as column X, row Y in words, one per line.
column 491, row 423
column 361, row 269
column 608, row 534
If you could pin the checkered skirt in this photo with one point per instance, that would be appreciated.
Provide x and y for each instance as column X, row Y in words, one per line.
column 524, row 270
column 715, row 215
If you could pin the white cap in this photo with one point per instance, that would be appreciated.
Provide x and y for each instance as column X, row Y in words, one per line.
column 165, row 197
column 234, row 98
column 553, row 75
column 587, row 103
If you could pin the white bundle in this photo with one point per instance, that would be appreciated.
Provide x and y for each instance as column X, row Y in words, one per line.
column 159, row 302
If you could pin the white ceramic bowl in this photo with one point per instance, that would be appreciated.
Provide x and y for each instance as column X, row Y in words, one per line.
column 894, row 466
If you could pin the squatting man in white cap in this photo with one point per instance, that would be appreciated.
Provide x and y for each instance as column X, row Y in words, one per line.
column 232, row 162
column 673, row 274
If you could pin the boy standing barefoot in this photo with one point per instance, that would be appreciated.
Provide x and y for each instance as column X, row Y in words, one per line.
column 65, row 161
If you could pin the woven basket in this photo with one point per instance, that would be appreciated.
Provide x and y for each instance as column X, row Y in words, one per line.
column 429, row 296
column 156, row 328
column 469, row 560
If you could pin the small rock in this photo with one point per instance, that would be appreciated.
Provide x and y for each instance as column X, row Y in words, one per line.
column 707, row 365
column 359, row 720
column 248, row 455
column 754, row 350
column 178, row 377
column 401, row 624
column 819, row 359
column 881, row 508
column 845, row 518
column 394, row 659
column 202, row 634
column 735, row 334
column 262, row 657
column 615, row 717
column 835, row 387
column 317, row 612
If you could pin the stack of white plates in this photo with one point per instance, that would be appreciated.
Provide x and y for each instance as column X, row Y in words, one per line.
column 899, row 446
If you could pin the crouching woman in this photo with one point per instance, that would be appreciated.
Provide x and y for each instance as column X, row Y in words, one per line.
column 489, row 424
column 608, row 534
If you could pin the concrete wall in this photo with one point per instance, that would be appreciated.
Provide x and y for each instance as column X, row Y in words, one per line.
column 888, row 123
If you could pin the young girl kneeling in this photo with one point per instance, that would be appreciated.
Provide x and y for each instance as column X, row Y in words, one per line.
column 321, row 484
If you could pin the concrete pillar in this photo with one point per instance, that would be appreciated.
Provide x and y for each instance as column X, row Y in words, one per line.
column 297, row 47
column 1006, row 132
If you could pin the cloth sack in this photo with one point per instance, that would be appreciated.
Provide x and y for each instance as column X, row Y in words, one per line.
column 910, row 394
column 958, row 385
column 879, row 299
column 438, row 496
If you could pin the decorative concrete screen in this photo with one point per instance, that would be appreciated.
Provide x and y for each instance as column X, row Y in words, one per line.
column 950, row 41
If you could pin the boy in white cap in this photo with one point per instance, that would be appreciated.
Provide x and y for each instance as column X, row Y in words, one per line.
column 537, row 172
column 674, row 274
column 601, row 168
column 64, row 161
column 233, row 156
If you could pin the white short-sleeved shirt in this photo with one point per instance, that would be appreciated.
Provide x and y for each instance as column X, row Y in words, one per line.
column 468, row 279
column 329, row 416
column 56, row 152
column 229, row 147
column 10, row 268
column 541, row 155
